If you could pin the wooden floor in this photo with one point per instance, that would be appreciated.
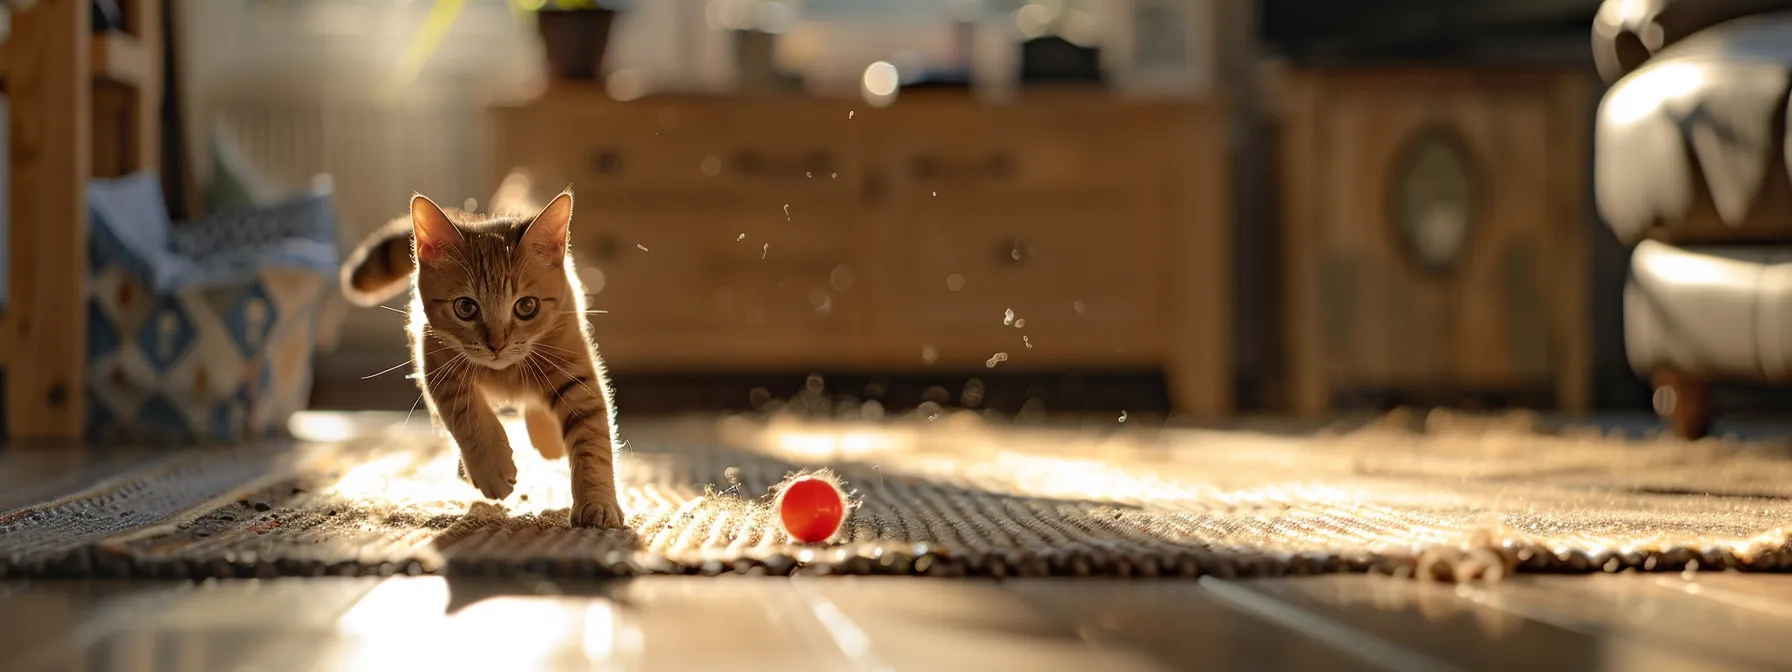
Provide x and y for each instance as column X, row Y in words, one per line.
column 1624, row 621
column 1599, row 622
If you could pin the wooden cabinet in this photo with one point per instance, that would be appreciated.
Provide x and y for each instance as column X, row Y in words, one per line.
column 1063, row 233
column 1057, row 214
column 1436, row 235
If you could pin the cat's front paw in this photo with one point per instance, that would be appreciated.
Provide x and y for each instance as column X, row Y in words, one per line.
column 495, row 477
column 600, row 513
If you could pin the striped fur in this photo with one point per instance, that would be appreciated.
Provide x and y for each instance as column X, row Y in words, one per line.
column 381, row 266
column 497, row 318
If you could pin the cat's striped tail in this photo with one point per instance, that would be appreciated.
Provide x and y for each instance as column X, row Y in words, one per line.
column 381, row 266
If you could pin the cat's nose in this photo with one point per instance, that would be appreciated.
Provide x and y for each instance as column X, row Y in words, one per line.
column 496, row 345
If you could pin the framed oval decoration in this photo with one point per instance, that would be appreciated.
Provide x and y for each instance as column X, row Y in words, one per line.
column 1434, row 199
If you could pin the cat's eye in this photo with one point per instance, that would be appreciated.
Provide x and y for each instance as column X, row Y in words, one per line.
column 526, row 307
column 465, row 308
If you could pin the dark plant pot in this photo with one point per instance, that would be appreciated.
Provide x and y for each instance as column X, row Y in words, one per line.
column 576, row 41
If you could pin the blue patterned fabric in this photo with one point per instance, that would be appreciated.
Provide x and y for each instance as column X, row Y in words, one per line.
column 201, row 331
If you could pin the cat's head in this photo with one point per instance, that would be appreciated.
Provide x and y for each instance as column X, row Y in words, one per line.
column 493, row 287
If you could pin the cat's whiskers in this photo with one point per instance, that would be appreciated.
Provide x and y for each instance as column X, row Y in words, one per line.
column 541, row 374
column 553, row 347
column 450, row 368
column 565, row 357
column 468, row 389
column 413, row 411
column 550, row 360
column 550, row 356
column 443, row 370
column 395, row 368
column 534, row 369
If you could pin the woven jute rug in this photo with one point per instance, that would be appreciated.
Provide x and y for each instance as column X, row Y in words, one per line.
column 951, row 496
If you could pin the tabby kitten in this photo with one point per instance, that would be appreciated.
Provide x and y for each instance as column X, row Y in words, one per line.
column 497, row 317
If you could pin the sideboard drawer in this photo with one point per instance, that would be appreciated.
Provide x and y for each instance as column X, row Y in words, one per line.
column 693, row 146
column 1084, row 266
column 949, row 148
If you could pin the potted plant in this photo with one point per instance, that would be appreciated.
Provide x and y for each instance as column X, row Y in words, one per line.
column 576, row 33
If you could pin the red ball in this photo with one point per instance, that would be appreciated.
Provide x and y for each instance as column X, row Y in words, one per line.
column 812, row 509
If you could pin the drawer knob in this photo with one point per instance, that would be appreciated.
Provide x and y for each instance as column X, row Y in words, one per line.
column 606, row 162
column 924, row 166
column 1000, row 165
column 748, row 162
column 607, row 246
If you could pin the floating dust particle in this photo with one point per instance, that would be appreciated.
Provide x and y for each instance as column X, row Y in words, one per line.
column 834, row 175
column 929, row 355
column 995, row 359
column 1079, row 307
column 809, row 174
column 740, row 237
column 1020, row 323
column 1025, row 342
column 849, row 113
column 470, row 205
column 1123, row 416
column 954, row 282
column 765, row 250
column 786, row 212
column 1008, row 317
column 936, row 193
column 1015, row 254
column 732, row 474
column 641, row 247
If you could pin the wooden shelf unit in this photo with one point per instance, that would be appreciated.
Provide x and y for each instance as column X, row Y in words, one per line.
column 55, row 72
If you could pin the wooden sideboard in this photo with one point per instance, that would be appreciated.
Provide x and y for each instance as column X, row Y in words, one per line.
column 756, row 234
column 1436, row 229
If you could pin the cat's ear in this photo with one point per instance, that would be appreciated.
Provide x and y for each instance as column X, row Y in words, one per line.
column 431, row 228
column 547, row 232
